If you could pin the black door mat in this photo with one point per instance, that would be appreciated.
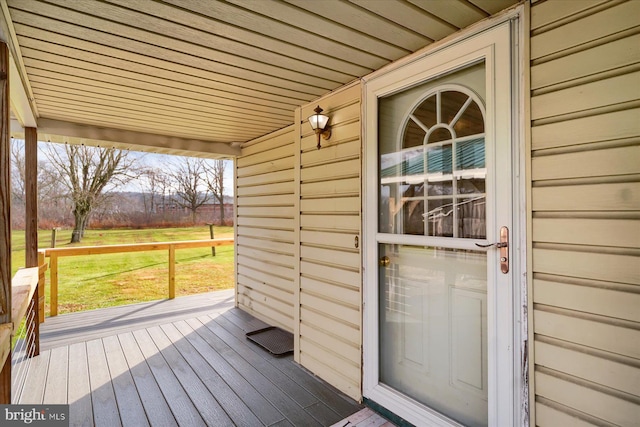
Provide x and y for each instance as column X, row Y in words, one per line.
column 273, row 339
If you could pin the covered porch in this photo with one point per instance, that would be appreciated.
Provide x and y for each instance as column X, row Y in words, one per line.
column 183, row 362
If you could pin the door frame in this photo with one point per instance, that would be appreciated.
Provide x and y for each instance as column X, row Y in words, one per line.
column 483, row 40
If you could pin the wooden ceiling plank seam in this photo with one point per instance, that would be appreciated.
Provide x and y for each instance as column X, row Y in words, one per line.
column 492, row 6
column 198, row 77
column 232, row 75
column 258, row 90
column 411, row 17
column 149, row 70
column 363, row 21
column 70, row 106
column 162, row 46
column 239, row 111
column 188, row 33
column 100, row 120
column 119, row 99
column 104, row 74
column 137, row 26
column 459, row 13
column 245, row 18
column 82, row 109
column 120, row 116
column 45, row 77
column 242, row 36
column 319, row 24
column 146, row 109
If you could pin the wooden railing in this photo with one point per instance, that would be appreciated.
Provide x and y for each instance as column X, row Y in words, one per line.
column 54, row 253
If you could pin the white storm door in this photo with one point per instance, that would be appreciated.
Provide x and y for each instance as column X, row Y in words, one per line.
column 438, row 300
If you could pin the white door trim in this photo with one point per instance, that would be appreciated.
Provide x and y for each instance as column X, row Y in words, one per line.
column 497, row 37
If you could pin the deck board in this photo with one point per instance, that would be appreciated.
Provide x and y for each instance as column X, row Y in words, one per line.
column 56, row 385
column 231, row 402
column 103, row 399
column 339, row 403
column 256, row 402
column 183, row 409
column 129, row 403
column 154, row 402
column 79, row 395
column 66, row 329
column 190, row 368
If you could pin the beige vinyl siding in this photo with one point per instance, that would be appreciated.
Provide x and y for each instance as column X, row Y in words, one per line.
column 585, row 171
column 330, row 262
column 266, row 228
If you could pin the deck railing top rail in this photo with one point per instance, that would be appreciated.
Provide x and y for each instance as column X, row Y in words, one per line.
column 54, row 253
column 134, row 247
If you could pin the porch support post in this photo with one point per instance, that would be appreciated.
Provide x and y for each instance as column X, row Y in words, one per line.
column 31, row 196
column 5, row 217
column 31, row 229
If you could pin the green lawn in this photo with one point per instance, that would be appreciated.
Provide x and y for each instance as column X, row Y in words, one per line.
column 89, row 282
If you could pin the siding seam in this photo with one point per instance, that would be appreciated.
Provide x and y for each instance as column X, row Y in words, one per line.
column 612, row 108
column 602, row 354
column 575, row 17
column 588, row 384
column 591, row 283
column 573, row 412
column 628, row 324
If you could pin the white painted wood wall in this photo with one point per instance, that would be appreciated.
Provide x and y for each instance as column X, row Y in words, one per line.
column 298, row 238
column 585, row 167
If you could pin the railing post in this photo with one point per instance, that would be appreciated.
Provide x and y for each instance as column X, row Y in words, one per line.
column 54, row 230
column 172, row 272
column 53, row 276
column 213, row 248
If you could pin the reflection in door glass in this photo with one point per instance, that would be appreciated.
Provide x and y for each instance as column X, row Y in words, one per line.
column 433, row 182
column 433, row 328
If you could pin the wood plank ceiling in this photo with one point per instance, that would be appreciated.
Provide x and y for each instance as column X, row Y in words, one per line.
column 213, row 71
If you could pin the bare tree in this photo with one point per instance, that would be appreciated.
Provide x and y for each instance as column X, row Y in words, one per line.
column 155, row 184
column 214, row 175
column 88, row 173
column 50, row 188
column 190, row 184
column 17, row 172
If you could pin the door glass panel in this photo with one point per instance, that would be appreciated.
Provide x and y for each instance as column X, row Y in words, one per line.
column 439, row 145
column 433, row 301
column 433, row 328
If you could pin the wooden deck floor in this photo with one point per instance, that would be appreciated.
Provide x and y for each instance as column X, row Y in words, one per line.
column 191, row 371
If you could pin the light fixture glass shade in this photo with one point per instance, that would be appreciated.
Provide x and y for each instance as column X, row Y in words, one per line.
column 318, row 121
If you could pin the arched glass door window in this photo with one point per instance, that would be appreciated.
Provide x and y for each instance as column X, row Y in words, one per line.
column 435, row 179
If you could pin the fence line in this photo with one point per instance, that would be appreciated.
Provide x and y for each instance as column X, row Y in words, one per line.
column 54, row 253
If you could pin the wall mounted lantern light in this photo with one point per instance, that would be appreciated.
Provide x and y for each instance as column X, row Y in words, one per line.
column 319, row 124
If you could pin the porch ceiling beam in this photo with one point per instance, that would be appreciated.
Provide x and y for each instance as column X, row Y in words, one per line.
column 61, row 132
column 20, row 92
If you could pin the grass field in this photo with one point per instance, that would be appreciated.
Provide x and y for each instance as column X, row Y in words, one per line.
column 90, row 282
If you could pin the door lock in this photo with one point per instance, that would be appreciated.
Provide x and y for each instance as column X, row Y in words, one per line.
column 384, row 261
column 503, row 245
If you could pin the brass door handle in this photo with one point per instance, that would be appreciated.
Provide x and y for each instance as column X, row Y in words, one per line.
column 384, row 261
column 503, row 245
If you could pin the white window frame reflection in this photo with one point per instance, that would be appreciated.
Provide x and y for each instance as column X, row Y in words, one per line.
column 398, row 158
